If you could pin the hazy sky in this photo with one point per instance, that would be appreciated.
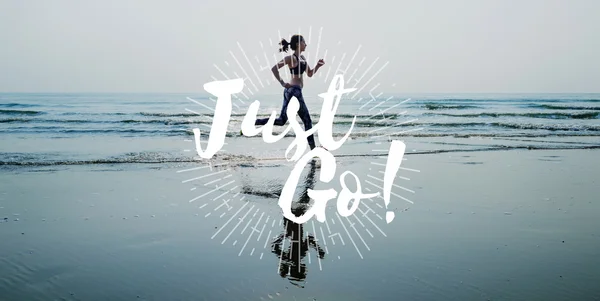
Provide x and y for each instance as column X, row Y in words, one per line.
column 172, row 46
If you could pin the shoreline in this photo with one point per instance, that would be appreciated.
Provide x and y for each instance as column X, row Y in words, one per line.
column 240, row 159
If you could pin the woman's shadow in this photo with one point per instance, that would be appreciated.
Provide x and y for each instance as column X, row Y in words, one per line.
column 291, row 247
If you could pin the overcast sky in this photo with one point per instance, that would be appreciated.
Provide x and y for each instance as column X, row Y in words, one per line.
column 173, row 46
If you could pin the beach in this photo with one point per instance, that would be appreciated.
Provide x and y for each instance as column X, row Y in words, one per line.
column 101, row 202
column 93, row 234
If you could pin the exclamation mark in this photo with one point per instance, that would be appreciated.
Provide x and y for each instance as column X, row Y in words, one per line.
column 395, row 156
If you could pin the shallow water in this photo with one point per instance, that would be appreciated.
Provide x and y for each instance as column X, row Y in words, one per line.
column 100, row 233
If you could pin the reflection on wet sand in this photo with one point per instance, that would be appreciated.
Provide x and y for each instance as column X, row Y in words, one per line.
column 291, row 246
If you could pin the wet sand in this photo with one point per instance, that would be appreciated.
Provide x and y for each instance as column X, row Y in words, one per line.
column 485, row 225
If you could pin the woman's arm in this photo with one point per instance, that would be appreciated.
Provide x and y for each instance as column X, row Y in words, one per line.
column 286, row 61
column 311, row 72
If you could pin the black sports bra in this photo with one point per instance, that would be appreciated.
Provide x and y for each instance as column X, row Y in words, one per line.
column 300, row 68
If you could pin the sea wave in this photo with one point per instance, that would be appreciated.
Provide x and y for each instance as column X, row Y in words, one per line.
column 371, row 116
column 129, row 158
column 90, row 121
column 563, row 107
column 555, row 115
column 522, row 126
column 28, row 160
column 15, row 120
column 402, row 130
column 157, row 114
column 433, row 106
column 166, row 122
column 17, row 105
column 95, row 114
column 20, row 112
column 501, row 98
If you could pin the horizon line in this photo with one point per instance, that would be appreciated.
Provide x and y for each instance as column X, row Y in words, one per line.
column 204, row 92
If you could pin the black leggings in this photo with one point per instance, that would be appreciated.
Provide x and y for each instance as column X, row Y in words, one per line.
column 288, row 93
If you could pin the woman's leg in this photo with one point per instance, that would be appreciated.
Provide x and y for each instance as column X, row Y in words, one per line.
column 305, row 116
column 282, row 119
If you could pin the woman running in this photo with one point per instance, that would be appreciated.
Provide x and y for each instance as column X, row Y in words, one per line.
column 298, row 65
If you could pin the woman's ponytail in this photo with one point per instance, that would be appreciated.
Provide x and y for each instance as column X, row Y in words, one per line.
column 284, row 45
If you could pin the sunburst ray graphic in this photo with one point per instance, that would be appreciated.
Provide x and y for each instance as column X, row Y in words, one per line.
column 251, row 226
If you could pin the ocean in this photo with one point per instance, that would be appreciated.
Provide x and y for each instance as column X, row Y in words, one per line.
column 63, row 129
column 103, row 197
